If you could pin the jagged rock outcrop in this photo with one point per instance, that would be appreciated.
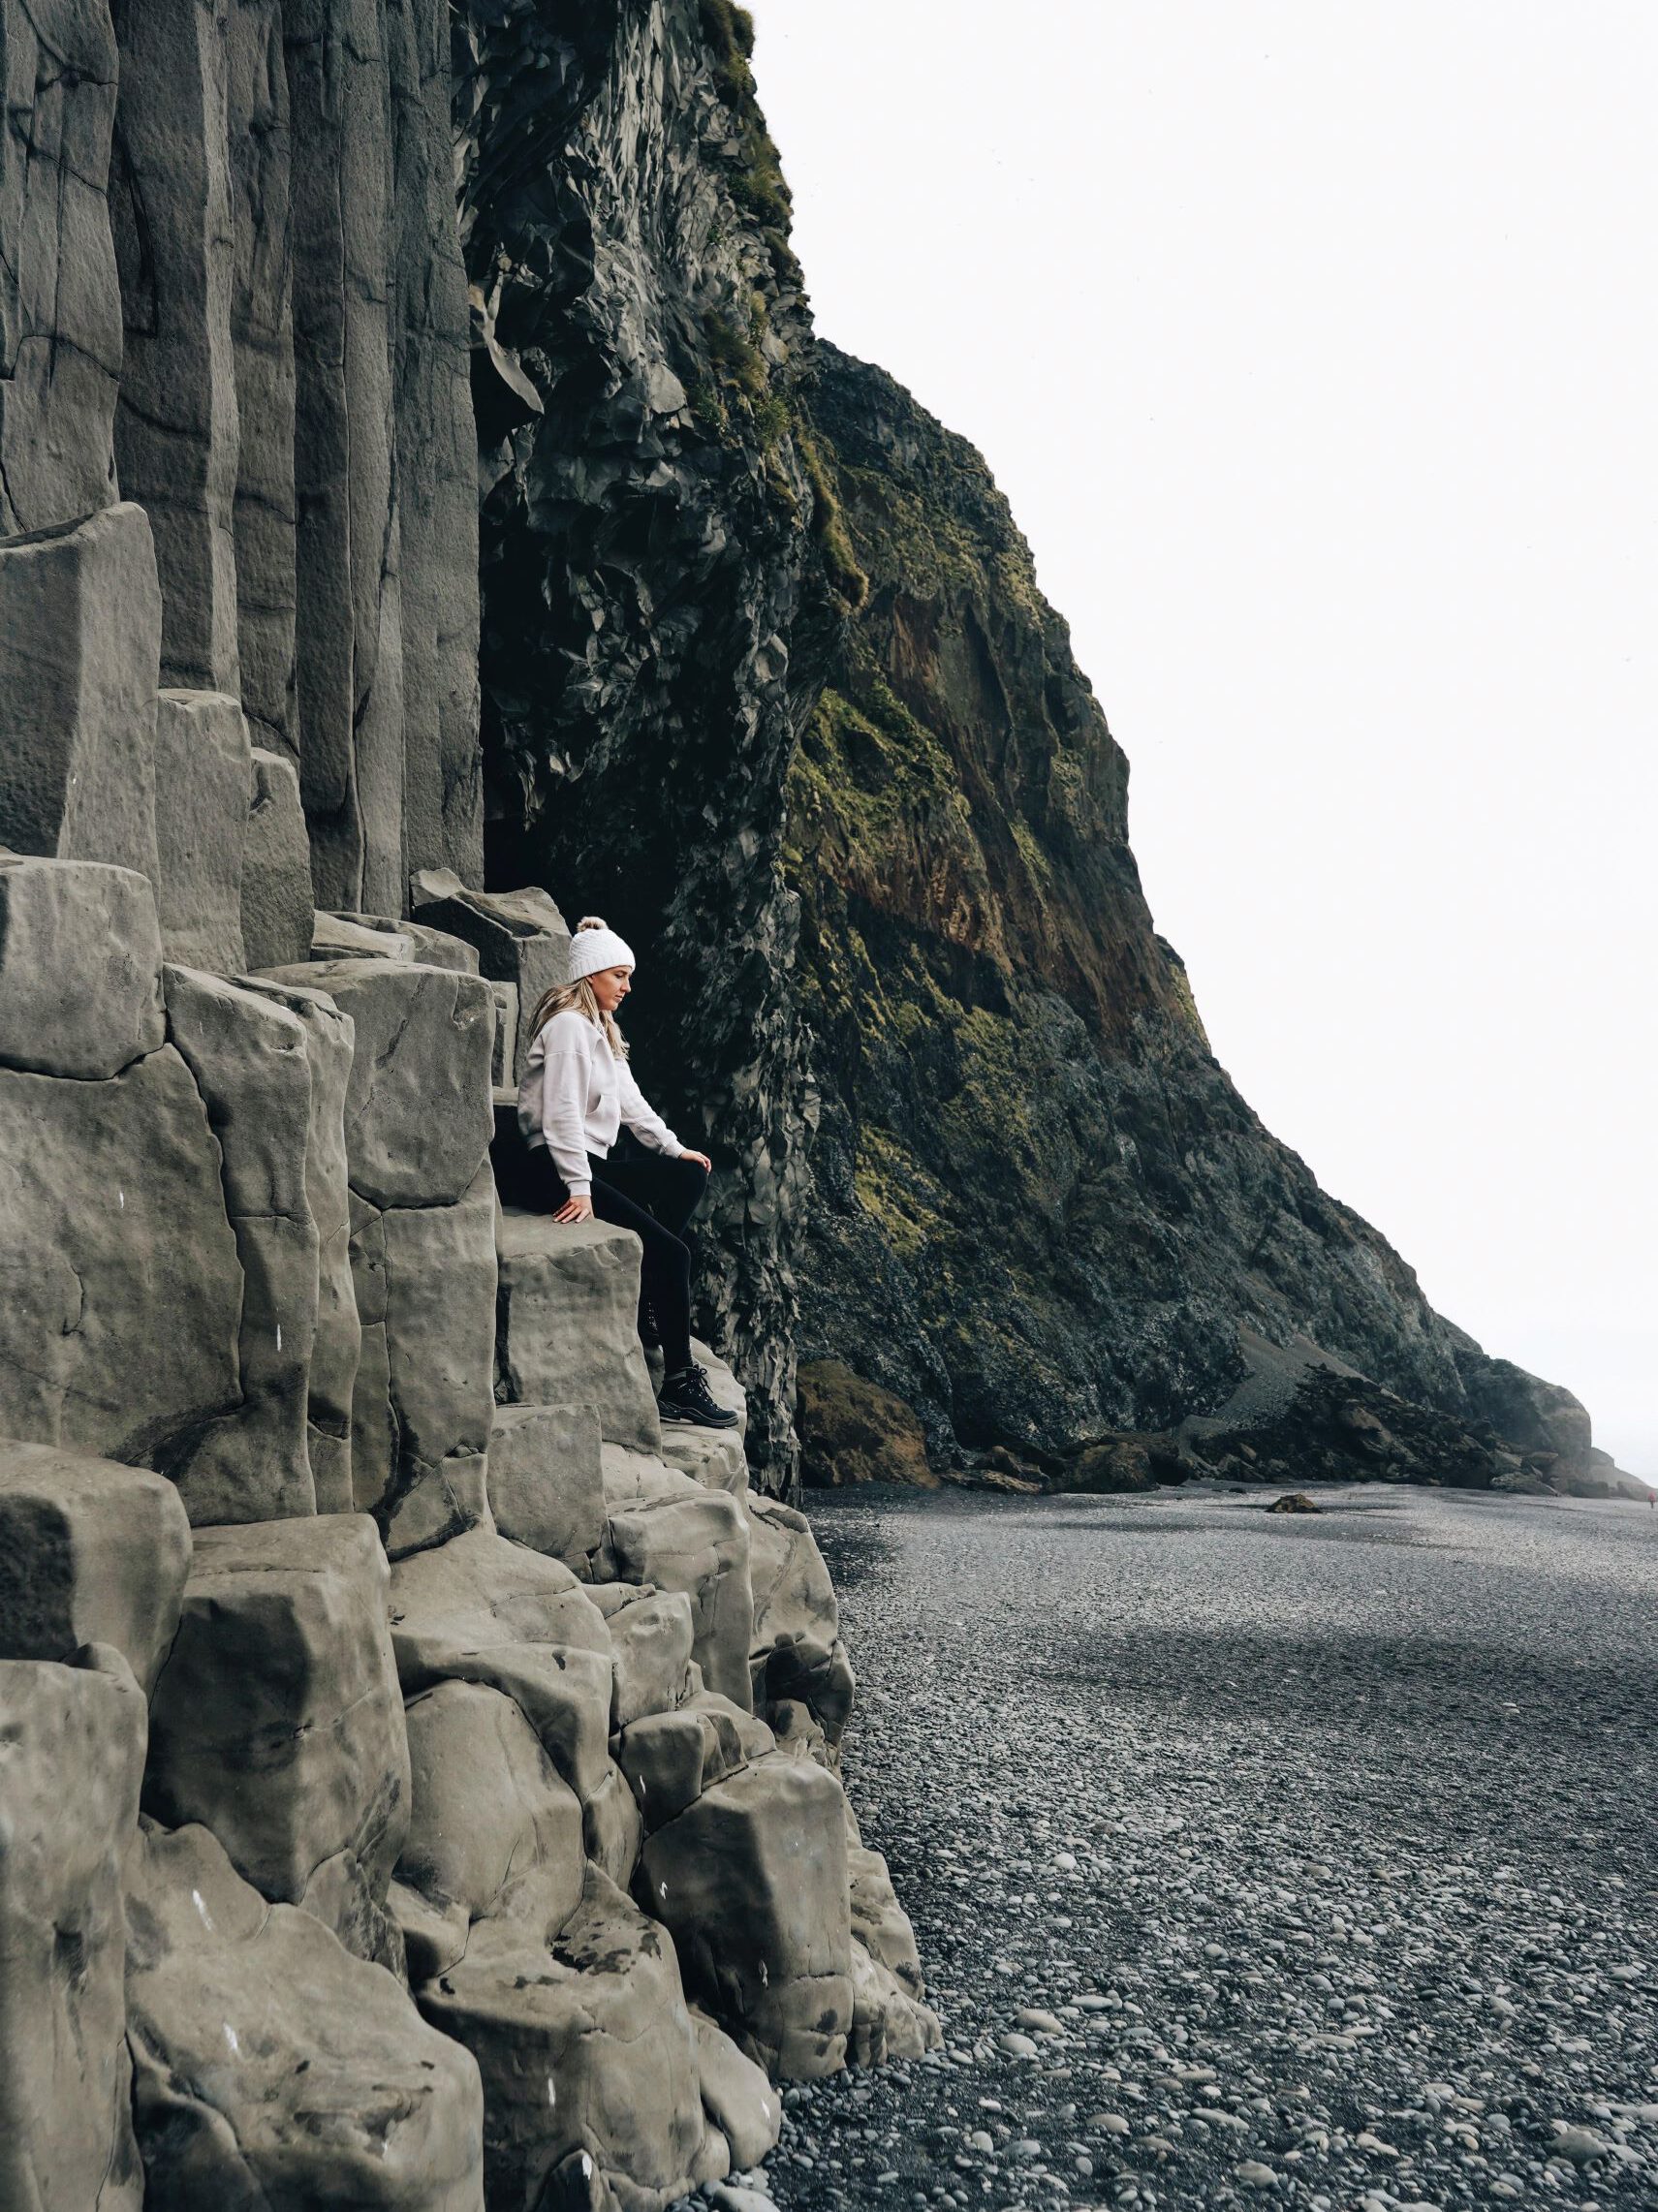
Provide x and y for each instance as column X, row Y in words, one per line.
column 656, row 609
column 1043, row 1214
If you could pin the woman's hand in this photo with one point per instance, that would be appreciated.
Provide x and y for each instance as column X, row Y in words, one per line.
column 576, row 1209
column 702, row 1159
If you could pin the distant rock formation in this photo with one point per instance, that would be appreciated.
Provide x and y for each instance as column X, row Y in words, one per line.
column 1043, row 1216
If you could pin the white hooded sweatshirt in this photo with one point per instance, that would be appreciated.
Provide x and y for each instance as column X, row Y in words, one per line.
column 574, row 1094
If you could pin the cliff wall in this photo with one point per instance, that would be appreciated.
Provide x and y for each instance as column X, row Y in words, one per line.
column 1043, row 1214
column 658, row 608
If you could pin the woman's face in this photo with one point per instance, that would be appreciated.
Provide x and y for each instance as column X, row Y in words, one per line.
column 610, row 985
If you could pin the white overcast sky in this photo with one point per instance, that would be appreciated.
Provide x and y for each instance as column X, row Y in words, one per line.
column 1315, row 345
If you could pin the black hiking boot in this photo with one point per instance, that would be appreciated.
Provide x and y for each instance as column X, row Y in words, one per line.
column 684, row 1397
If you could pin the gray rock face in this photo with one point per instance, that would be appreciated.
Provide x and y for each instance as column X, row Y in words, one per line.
column 60, row 304
column 494, row 1830
column 349, row 553
column 203, row 768
column 752, row 1880
column 336, row 1347
column 671, row 1758
column 176, row 428
column 79, row 658
column 270, row 2066
column 736, row 2096
column 418, row 1114
column 546, row 1481
column 436, row 458
column 423, row 1407
column 73, row 1735
column 665, row 1529
column 346, row 937
column 596, row 2007
column 651, row 1637
column 519, row 937
column 260, row 161
column 278, row 1722
column 569, row 1322
column 77, row 918
column 89, row 1553
column 276, row 868
column 480, row 1609
column 248, row 1056
column 119, row 1329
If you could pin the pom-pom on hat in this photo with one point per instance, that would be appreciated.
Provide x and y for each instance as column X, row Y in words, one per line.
column 594, row 946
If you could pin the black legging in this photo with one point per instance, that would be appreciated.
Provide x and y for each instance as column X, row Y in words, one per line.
column 654, row 1197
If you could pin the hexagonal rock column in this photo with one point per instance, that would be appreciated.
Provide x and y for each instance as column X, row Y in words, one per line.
column 270, row 2066
column 480, row 1609
column 90, row 1552
column 665, row 1529
column 589, row 2063
column 546, row 1481
column 176, row 428
column 120, row 1324
column 72, row 1751
column 495, row 1831
column 61, row 300
column 336, row 1347
column 80, row 968
column 276, row 907
column 204, row 767
column 569, row 1322
column 671, row 1758
column 796, row 1653
column 417, row 1132
column 278, row 1723
column 650, row 1647
column 79, row 658
column 250, row 1060
column 751, row 1879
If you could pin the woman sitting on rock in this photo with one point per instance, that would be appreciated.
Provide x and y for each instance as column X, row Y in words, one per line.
column 577, row 1092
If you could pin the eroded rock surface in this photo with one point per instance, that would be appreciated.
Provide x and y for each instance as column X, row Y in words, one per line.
column 752, row 1880
column 480, row 1609
column 90, row 1552
column 594, row 2008
column 72, row 1740
column 270, row 2066
column 278, row 1721
column 569, row 1322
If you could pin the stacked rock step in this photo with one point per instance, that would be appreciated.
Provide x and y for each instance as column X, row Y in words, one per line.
column 420, row 1681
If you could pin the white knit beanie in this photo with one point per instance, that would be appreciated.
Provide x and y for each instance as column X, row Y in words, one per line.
column 594, row 946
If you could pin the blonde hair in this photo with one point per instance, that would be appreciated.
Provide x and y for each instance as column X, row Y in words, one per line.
column 578, row 998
